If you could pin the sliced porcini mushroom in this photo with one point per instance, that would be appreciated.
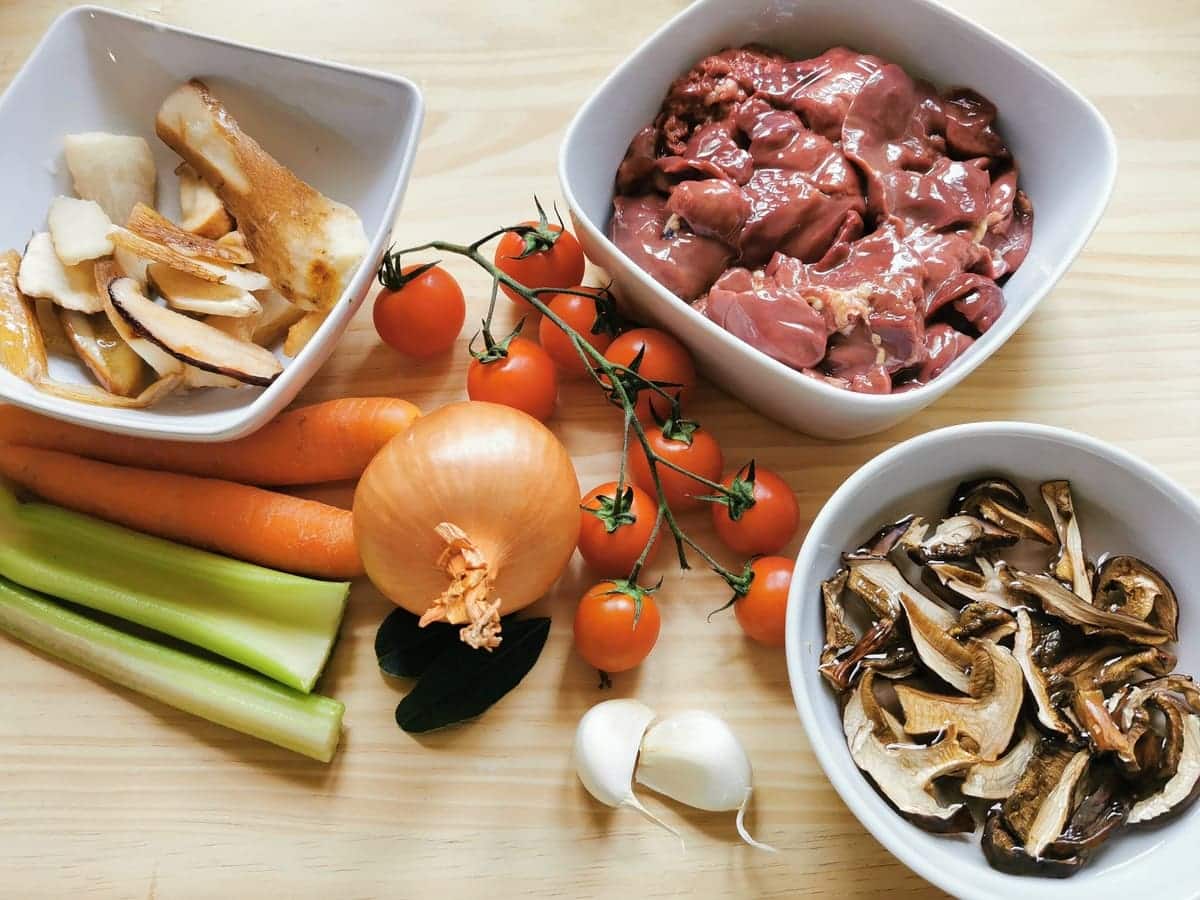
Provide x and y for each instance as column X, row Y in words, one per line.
column 999, row 501
column 985, row 582
column 845, row 655
column 996, row 779
column 1043, row 799
column 1070, row 607
column 1070, row 566
column 983, row 620
column 988, row 718
column 1101, row 813
column 929, row 622
column 905, row 773
column 839, row 636
column 1004, row 854
column 888, row 537
column 1183, row 787
column 1135, row 697
column 969, row 494
column 192, row 341
column 959, row 538
column 1028, row 637
column 1126, row 584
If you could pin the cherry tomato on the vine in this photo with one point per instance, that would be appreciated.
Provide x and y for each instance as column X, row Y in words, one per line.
column 582, row 314
column 614, row 529
column 547, row 257
column 524, row 378
column 686, row 445
column 420, row 310
column 764, row 527
column 762, row 610
column 663, row 359
column 616, row 625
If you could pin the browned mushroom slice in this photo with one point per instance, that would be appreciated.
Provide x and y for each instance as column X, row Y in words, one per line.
column 839, row 636
column 995, row 780
column 904, row 773
column 1126, row 584
column 1028, row 637
column 883, row 541
column 1136, row 696
column 929, row 622
column 988, row 718
column 984, row 582
column 969, row 494
column 1182, row 789
column 1002, row 853
column 960, row 538
column 1058, row 601
column 983, row 620
column 1101, row 813
column 1041, row 803
column 1070, row 566
column 999, row 501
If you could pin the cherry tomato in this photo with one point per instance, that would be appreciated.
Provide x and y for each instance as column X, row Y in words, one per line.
column 581, row 314
column 606, row 634
column 663, row 359
column 763, row 609
column 700, row 453
column 523, row 379
column 612, row 554
column 560, row 265
column 768, row 525
column 424, row 316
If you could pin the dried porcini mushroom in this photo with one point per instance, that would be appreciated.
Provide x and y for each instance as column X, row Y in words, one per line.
column 999, row 501
column 982, row 582
column 1057, row 601
column 1025, row 643
column 988, row 718
column 995, row 779
column 1111, row 736
column 929, row 623
column 1041, row 803
column 905, row 773
column 1004, row 854
column 983, row 620
column 845, row 655
column 1070, row 566
column 1126, row 584
column 959, row 538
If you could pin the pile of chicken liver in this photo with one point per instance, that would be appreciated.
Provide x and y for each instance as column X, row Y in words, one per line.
column 833, row 212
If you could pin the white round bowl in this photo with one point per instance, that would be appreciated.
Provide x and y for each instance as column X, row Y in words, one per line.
column 1124, row 506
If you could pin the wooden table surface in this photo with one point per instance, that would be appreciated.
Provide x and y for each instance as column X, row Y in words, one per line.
column 106, row 794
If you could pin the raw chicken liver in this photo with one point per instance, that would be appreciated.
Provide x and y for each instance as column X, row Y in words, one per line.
column 837, row 214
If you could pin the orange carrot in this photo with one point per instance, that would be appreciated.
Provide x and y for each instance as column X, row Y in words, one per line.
column 264, row 527
column 330, row 441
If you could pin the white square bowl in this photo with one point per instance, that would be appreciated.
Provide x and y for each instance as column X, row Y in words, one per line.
column 1065, row 149
column 350, row 133
column 1124, row 506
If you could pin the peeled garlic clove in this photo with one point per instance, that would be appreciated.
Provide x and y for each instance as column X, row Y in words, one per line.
column 606, row 750
column 694, row 757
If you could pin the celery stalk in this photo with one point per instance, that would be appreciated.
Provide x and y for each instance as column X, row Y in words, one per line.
column 278, row 624
column 241, row 700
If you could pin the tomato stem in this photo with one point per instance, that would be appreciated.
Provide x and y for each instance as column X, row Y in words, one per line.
column 608, row 376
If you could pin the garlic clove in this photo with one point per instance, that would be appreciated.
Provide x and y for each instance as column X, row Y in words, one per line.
column 607, row 743
column 694, row 757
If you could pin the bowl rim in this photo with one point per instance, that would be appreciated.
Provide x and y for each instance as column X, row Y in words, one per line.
column 270, row 401
column 854, row 790
column 1008, row 324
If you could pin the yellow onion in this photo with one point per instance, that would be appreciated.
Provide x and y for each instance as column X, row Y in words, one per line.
column 470, row 514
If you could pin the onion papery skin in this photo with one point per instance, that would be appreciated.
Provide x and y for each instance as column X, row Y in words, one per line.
column 495, row 472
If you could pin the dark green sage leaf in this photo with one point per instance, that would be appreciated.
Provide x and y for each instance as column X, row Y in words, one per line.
column 462, row 683
column 405, row 649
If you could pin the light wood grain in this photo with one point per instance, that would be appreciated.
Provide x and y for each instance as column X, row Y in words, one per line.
column 104, row 794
